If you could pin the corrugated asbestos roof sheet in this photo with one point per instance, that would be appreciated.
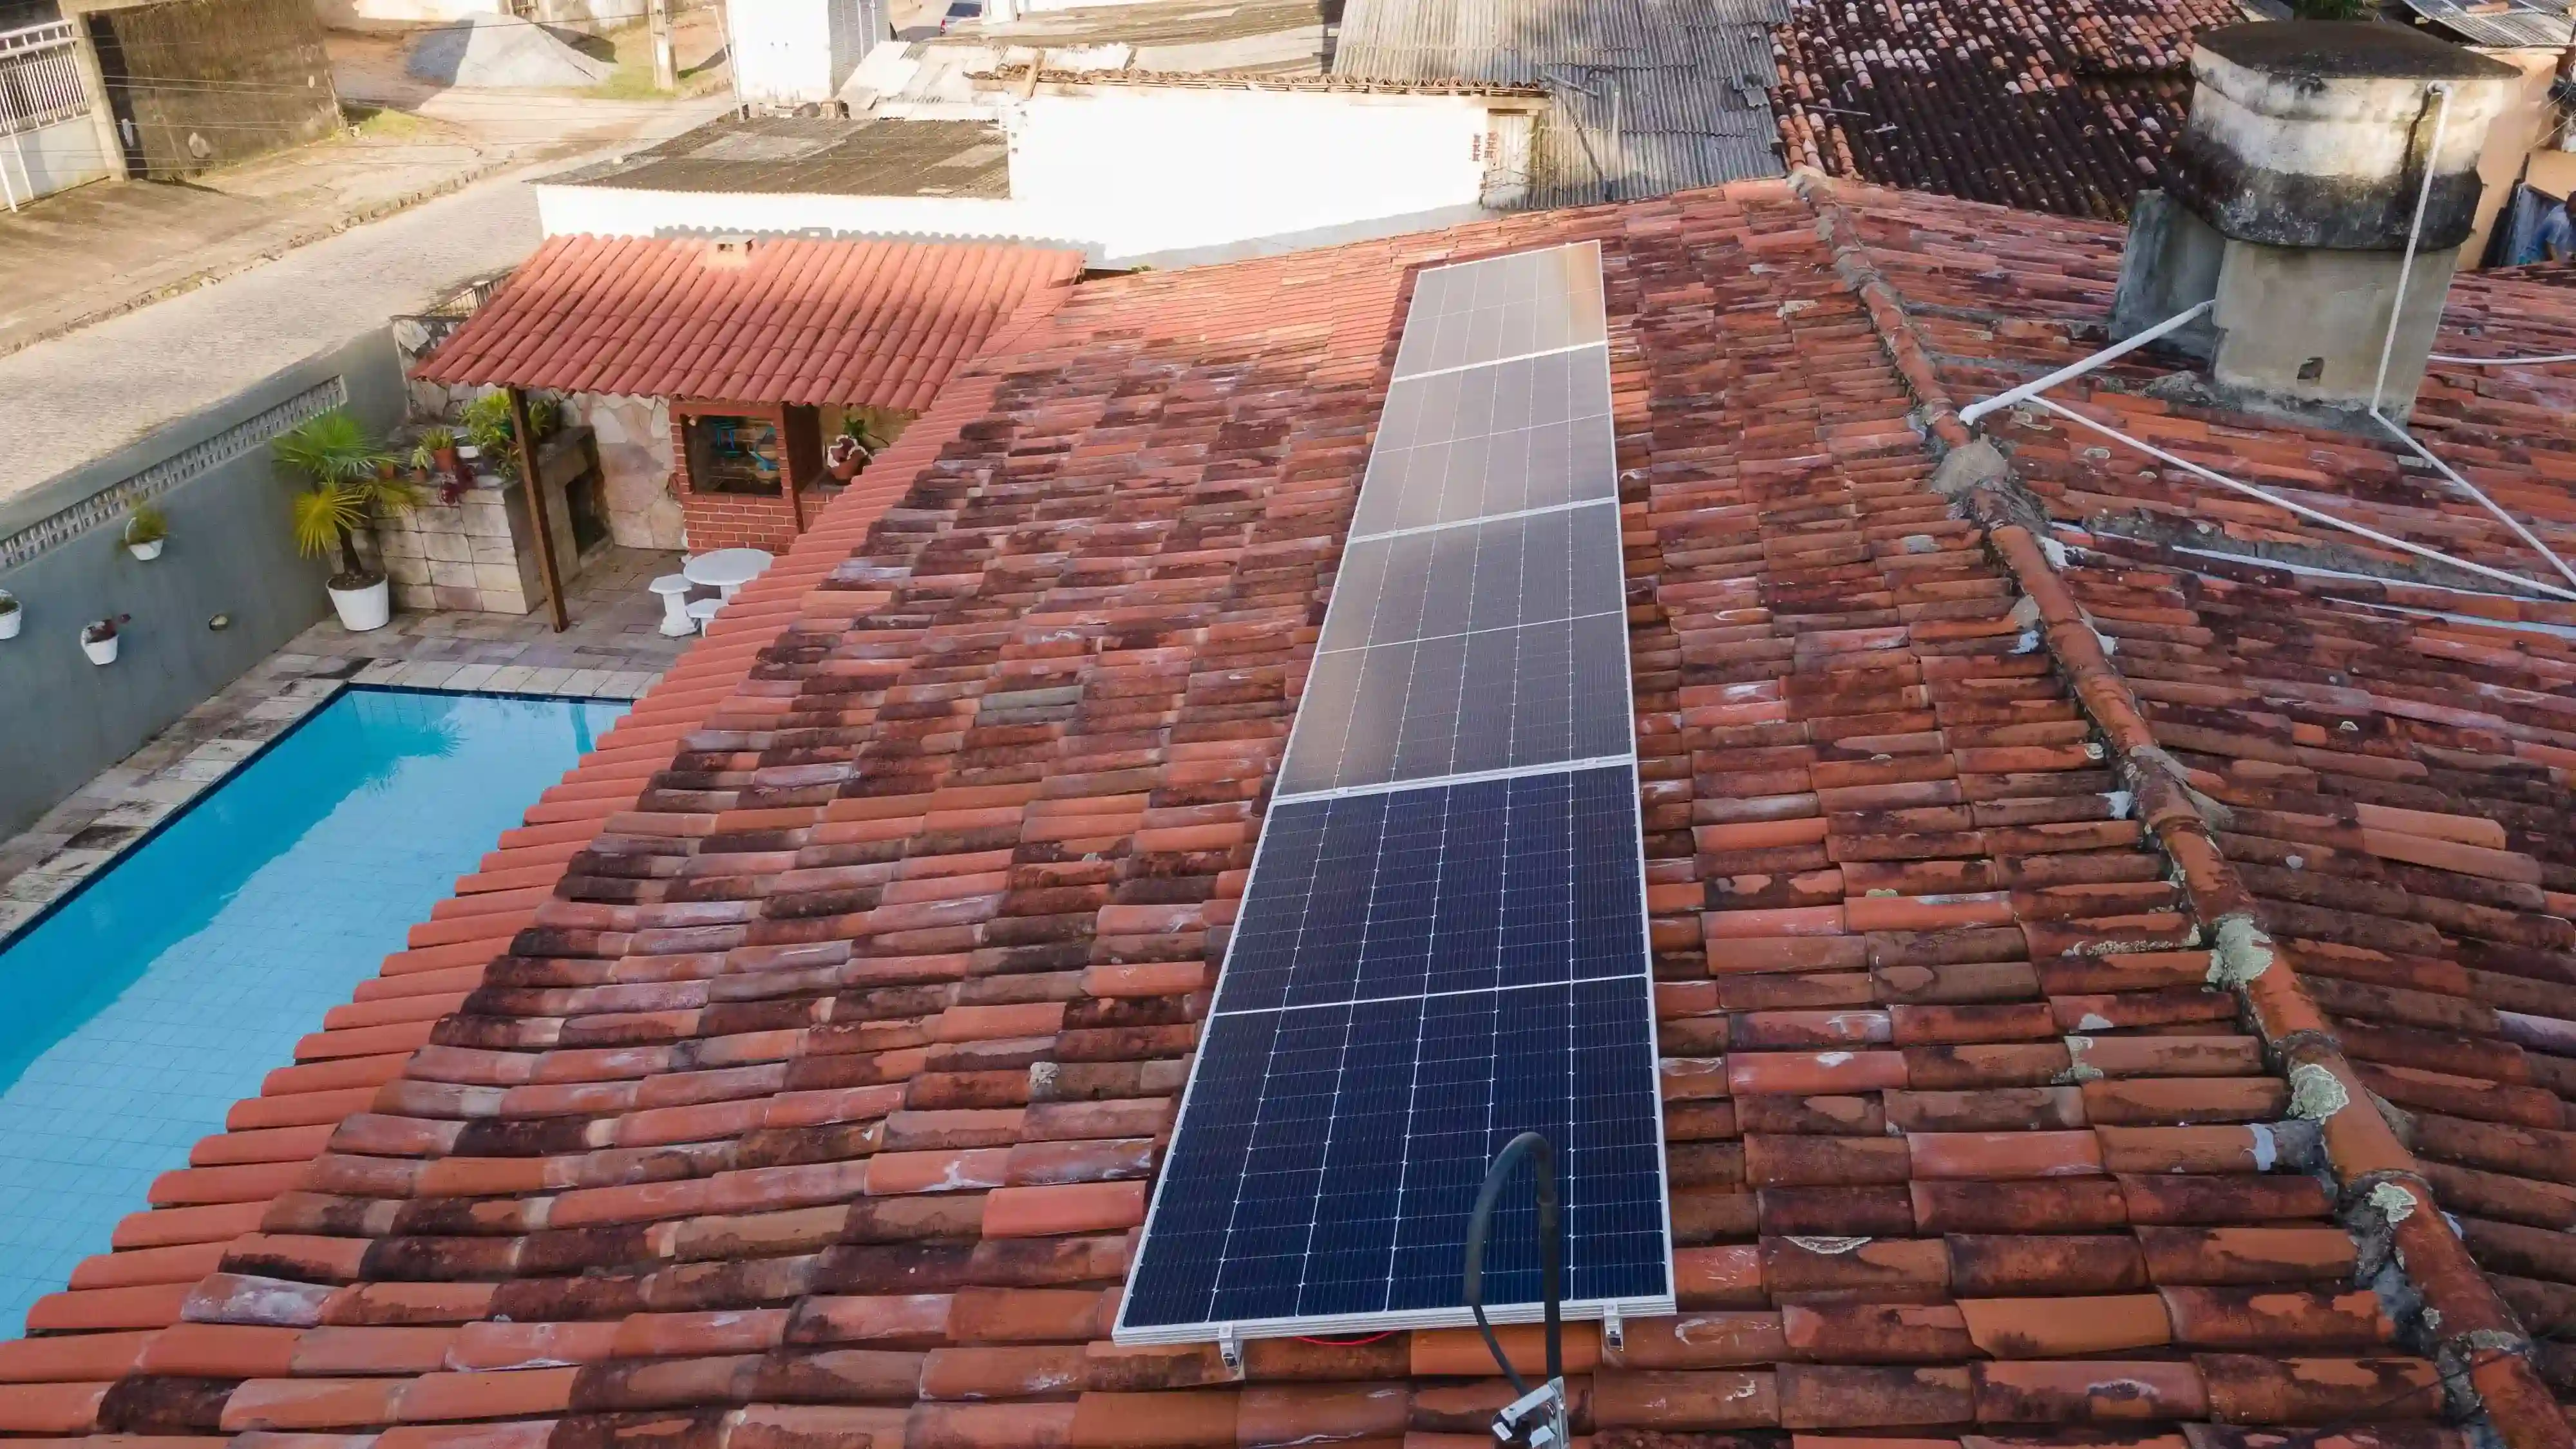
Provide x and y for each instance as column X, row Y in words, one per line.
column 2064, row 106
column 803, row 155
column 2510, row 24
column 797, row 321
column 1652, row 96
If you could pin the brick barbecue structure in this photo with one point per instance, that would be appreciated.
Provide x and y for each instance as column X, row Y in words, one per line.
column 2116, row 942
column 2064, row 106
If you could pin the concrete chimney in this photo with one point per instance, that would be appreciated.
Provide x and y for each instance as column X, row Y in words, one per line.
column 2289, row 200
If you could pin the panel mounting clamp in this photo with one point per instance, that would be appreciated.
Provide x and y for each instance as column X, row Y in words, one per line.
column 1614, row 1334
column 1230, row 1348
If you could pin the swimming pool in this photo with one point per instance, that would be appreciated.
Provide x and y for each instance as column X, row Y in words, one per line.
column 136, row 1012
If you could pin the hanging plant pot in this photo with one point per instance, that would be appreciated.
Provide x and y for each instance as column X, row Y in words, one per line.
column 145, row 531
column 12, row 617
column 365, row 607
column 99, row 638
column 147, row 550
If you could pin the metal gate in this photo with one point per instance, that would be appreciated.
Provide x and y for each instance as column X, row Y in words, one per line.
column 40, row 85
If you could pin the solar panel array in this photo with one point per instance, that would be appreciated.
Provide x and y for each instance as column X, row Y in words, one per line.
column 1443, row 941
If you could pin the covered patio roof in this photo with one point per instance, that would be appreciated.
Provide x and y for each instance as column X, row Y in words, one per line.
column 774, row 320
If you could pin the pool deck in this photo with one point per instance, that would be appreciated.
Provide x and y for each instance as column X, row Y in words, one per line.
column 613, row 650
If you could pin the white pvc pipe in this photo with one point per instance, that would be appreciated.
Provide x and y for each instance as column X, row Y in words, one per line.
column 1968, row 415
column 2423, row 198
column 2301, row 509
column 2471, row 489
column 2499, row 361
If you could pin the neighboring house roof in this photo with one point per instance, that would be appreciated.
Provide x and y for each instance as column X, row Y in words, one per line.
column 2008, row 1085
column 937, row 76
column 1652, row 96
column 751, row 319
column 800, row 155
column 2064, row 106
column 2504, row 24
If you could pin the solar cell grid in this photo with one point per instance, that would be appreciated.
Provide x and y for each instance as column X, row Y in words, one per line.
column 1509, row 306
column 1494, row 575
column 1442, row 943
column 1483, row 886
column 1462, row 445
column 1512, row 699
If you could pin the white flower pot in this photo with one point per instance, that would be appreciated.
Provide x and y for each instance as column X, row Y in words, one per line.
column 101, row 651
column 146, row 551
column 364, row 609
column 10, row 621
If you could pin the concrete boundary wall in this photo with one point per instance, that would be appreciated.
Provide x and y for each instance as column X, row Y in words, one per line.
column 62, row 554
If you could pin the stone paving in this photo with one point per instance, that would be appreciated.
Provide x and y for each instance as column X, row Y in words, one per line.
column 613, row 650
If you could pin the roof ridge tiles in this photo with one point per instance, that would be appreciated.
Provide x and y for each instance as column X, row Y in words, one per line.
column 2469, row 1321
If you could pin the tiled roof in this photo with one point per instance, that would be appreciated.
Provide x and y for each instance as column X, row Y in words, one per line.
column 2016, row 1096
column 770, row 320
column 2064, row 106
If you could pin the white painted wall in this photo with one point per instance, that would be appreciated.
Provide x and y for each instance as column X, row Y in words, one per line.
column 1138, row 171
column 1135, row 175
column 798, row 52
column 372, row 14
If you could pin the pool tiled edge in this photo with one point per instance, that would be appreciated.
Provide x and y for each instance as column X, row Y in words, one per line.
column 612, row 652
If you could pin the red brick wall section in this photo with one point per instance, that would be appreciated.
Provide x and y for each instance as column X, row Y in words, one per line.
column 729, row 520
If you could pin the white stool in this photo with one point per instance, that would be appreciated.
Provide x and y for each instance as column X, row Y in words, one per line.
column 703, row 612
column 674, row 589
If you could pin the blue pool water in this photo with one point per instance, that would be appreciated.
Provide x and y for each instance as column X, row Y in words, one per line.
column 136, row 1014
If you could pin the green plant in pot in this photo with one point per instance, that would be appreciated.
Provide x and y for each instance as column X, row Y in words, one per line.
column 348, row 478
column 12, row 618
column 146, row 530
column 434, row 457
column 489, row 428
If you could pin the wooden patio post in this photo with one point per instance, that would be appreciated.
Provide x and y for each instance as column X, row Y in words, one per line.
column 521, row 433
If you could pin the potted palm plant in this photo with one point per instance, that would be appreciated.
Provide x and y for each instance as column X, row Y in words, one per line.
column 11, row 616
column 347, row 479
column 489, row 427
column 146, row 529
column 99, row 638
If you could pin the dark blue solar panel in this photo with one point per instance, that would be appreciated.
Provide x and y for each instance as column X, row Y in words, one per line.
column 1471, row 887
column 1333, row 1154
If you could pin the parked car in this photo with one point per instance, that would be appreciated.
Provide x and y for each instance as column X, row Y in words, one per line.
column 959, row 12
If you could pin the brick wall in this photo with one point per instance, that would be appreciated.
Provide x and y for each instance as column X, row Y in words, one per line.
column 730, row 520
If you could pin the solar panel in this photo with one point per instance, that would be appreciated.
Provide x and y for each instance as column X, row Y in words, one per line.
column 1553, row 693
column 1337, row 1128
column 1443, row 941
column 1455, row 446
column 1509, row 306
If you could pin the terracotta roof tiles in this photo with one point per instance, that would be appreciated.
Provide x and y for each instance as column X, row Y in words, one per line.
column 818, row 1099
column 785, row 319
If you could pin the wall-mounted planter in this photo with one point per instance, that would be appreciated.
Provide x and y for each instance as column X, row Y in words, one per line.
column 145, row 531
column 12, row 617
column 147, row 550
column 99, row 638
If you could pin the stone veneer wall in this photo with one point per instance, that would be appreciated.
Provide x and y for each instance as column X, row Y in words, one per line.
column 635, row 462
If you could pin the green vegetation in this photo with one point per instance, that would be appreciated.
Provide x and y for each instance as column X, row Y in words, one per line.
column 348, row 476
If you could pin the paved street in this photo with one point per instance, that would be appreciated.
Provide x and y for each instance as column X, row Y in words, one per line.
column 76, row 397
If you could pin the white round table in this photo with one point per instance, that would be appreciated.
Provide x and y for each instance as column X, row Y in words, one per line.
column 726, row 569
